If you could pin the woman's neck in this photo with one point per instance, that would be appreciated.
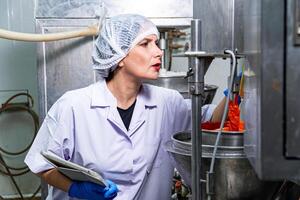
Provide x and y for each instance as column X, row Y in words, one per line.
column 124, row 89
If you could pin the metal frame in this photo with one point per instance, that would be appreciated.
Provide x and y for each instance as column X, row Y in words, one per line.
column 196, row 85
column 199, row 62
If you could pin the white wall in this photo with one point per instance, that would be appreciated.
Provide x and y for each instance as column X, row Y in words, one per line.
column 17, row 73
column 216, row 74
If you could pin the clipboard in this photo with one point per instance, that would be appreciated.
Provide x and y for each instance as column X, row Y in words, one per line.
column 73, row 171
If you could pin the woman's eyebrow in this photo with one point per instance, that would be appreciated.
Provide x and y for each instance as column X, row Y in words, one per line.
column 147, row 40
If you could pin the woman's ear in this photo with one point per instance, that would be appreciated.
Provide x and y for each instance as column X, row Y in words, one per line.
column 121, row 64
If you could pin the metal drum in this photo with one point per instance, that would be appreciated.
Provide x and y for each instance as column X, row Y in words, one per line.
column 234, row 177
column 180, row 84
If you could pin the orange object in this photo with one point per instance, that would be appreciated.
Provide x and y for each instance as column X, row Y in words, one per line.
column 233, row 122
column 178, row 184
column 210, row 125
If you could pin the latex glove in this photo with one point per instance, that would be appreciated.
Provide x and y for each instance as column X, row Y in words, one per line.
column 92, row 191
column 225, row 92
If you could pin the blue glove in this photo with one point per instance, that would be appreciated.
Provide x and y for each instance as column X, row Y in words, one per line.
column 92, row 191
column 225, row 92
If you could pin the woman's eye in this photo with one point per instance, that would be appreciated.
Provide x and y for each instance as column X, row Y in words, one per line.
column 144, row 44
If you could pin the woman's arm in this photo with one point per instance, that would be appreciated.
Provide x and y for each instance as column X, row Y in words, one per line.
column 218, row 112
column 55, row 178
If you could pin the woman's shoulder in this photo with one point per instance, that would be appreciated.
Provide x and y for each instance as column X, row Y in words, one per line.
column 159, row 90
column 162, row 93
column 77, row 96
column 77, row 93
column 72, row 101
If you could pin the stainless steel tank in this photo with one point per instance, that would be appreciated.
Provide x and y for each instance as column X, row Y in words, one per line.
column 180, row 84
column 234, row 177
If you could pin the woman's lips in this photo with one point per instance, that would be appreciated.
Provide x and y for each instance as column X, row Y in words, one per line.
column 156, row 67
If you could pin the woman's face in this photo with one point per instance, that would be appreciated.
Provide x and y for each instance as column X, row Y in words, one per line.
column 144, row 60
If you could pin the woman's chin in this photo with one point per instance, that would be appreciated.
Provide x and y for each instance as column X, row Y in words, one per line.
column 155, row 77
column 151, row 78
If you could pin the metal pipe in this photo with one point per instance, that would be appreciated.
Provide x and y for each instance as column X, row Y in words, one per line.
column 197, row 91
column 233, row 69
column 163, row 47
column 28, row 37
column 31, row 37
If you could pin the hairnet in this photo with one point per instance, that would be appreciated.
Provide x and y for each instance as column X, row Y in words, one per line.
column 116, row 38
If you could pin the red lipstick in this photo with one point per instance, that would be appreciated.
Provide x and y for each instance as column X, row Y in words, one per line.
column 156, row 66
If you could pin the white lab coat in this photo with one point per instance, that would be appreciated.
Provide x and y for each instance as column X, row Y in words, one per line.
column 84, row 127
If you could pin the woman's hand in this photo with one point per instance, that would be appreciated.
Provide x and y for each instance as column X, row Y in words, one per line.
column 92, row 191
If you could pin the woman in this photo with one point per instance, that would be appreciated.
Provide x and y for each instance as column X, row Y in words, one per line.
column 116, row 126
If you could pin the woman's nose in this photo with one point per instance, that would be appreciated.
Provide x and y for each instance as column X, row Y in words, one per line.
column 158, row 52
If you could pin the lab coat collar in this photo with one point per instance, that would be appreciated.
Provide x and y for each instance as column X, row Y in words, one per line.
column 146, row 97
column 102, row 97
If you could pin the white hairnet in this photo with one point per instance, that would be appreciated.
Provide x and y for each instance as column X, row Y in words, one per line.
column 118, row 35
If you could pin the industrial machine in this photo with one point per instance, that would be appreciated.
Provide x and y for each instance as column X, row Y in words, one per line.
column 271, row 46
column 266, row 34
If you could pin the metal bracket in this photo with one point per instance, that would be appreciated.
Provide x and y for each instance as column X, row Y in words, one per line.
column 189, row 73
column 203, row 54
column 195, row 89
column 209, row 183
